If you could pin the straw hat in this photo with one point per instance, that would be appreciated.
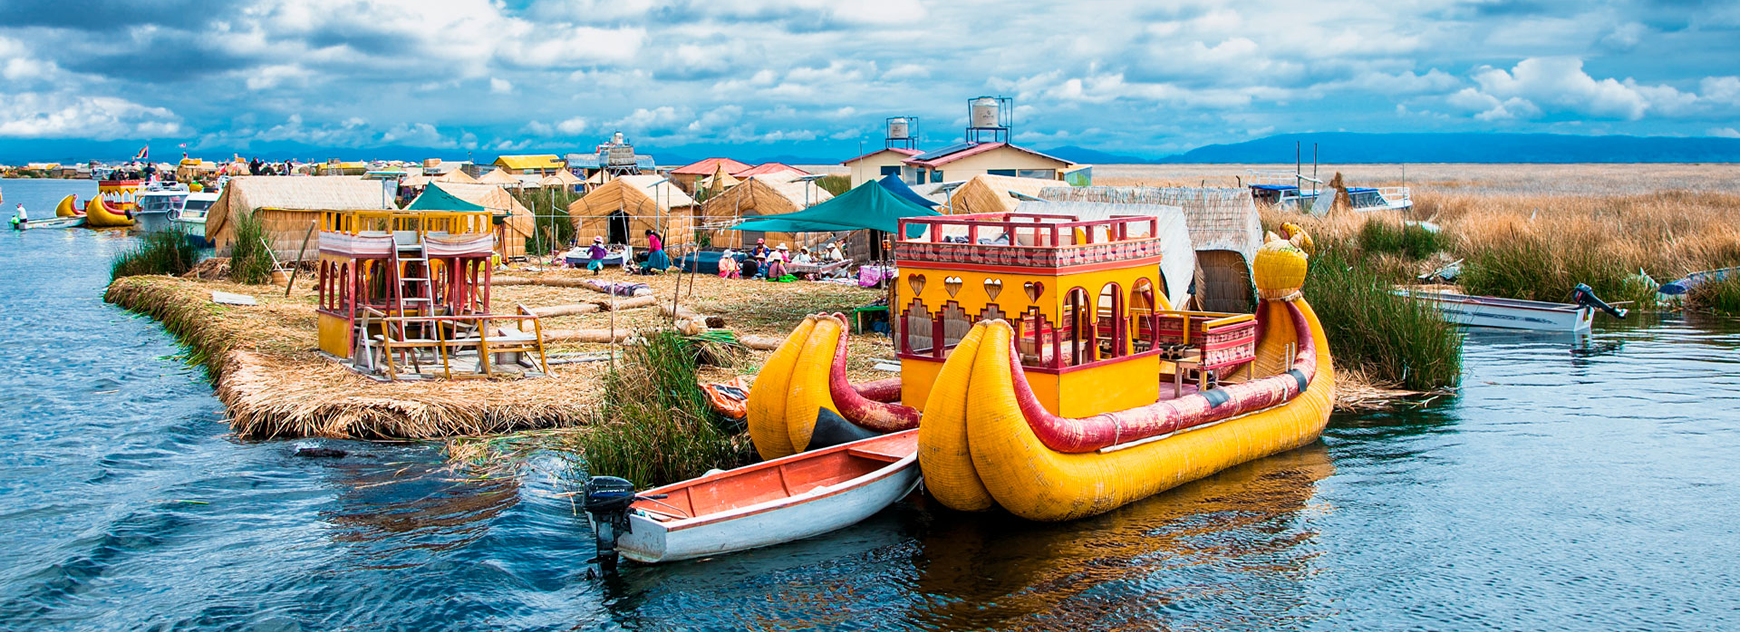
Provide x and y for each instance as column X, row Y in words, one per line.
column 782, row 246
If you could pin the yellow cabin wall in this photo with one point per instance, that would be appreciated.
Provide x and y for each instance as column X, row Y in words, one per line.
column 871, row 168
column 334, row 335
column 1077, row 393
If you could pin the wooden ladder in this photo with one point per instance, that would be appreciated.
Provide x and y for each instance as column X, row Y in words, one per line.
column 412, row 289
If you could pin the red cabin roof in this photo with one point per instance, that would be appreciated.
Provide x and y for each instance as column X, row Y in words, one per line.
column 709, row 166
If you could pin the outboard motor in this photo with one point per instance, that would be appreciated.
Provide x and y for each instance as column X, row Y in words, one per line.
column 1585, row 295
column 608, row 499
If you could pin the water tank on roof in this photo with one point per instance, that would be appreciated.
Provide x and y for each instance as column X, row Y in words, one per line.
column 431, row 163
column 620, row 155
column 616, row 139
column 898, row 128
column 984, row 112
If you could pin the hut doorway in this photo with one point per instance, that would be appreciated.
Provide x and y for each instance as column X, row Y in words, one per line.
column 618, row 228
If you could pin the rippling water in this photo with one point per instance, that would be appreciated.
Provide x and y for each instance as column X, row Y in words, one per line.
column 1572, row 484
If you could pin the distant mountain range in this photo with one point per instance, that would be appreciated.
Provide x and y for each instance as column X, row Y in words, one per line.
column 1332, row 147
column 1347, row 147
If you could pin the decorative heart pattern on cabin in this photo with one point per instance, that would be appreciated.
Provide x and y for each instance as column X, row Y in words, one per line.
column 952, row 285
column 1034, row 289
column 993, row 287
column 916, row 282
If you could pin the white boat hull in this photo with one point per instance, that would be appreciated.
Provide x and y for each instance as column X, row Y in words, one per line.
column 810, row 514
column 1503, row 313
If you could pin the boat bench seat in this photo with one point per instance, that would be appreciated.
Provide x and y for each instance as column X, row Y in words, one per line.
column 870, row 452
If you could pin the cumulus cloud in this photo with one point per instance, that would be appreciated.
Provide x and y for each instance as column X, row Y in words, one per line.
column 61, row 115
column 1148, row 76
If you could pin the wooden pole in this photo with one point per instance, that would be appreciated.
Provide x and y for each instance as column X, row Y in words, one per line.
column 299, row 252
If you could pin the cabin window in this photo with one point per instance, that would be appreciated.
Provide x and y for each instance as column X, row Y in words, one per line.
column 891, row 170
column 1110, row 340
column 1036, row 339
column 1042, row 174
column 916, row 322
column 1076, row 325
column 936, row 176
column 954, row 325
column 1000, row 172
column 923, row 176
column 1142, row 315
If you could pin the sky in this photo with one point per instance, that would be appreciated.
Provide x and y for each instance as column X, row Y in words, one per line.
column 817, row 77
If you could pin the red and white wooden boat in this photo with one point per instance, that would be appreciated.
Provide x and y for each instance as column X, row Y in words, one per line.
column 773, row 502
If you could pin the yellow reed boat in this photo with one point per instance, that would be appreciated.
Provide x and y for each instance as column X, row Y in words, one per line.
column 98, row 215
column 68, row 207
column 1046, row 374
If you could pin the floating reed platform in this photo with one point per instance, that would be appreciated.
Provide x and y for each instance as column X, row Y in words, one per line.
column 264, row 363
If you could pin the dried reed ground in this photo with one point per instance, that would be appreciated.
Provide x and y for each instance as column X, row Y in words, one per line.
column 267, row 370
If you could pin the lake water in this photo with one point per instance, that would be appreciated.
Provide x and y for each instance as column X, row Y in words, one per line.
column 1571, row 485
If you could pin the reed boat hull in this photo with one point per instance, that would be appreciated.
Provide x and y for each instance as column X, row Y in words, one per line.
column 68, row 207
column 1505, row 313
column 801, row 399
column 815, row 511
column 98, row 215
column 978, row 450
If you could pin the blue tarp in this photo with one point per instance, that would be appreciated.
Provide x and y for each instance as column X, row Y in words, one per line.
column 894, row 185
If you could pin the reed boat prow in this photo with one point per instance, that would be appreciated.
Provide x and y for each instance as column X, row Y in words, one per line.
column 98, row 215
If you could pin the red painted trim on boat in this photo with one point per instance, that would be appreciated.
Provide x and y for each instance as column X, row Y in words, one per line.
column 861, row 410
column 1086, row 434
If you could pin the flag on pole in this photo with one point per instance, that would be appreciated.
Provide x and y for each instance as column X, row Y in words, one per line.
column 144, row 153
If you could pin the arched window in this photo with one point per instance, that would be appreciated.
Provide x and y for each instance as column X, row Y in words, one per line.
column 1110, row 340
column 1076, row 323
column 917, row 323
column 1142, row 323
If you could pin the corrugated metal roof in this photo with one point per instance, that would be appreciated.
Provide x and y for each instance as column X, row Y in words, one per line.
column 536, row 161
column 769, row 168
column 899, row 150
column 957, row 152
column 708, row 166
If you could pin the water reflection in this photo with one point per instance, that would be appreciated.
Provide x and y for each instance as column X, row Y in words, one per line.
column 1165, row 561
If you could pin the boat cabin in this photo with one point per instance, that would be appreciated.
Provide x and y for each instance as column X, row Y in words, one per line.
column 405, row 294
column 1093, row 332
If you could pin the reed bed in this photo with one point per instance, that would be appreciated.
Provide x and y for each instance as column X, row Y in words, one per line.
column 1720, row 297
column 166, row 252
column 1390, row 339
column 250, row 256
column 654, row 425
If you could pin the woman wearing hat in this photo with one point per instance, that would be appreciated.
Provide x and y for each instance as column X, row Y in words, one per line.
column 728, row 268
column 595, row 256
column 776, row 262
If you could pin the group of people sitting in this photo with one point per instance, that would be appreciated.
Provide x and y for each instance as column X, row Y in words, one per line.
column 762, row 262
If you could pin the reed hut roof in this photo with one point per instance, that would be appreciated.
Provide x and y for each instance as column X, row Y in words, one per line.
column 247, row 194
column 499, row 177
column 986, row 193
column 719, row 181
column 456, row 175
column 631, row 192
column 772, row 194
column 562, row 178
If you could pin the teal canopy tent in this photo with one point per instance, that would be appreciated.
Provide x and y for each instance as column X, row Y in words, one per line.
column 869, row 205
column 434, row 198
column 896, row 186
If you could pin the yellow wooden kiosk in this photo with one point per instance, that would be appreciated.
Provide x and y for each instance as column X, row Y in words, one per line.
column 405, row 295
column 1091, row 330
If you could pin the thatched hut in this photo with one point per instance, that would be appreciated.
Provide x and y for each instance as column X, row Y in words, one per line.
column 688, row 176
column 756, row 196
column 986, row 193
column 1224, row 229
column 500, row 178
column 287, row 206
column 622, row 209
